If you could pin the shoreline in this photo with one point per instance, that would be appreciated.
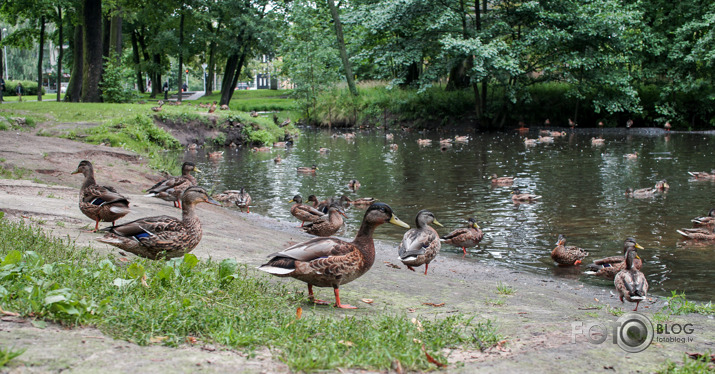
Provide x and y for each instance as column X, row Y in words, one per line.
column 537, row 319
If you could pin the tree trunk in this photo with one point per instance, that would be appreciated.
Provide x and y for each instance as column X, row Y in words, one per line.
column 181, row 54
column 341, row 48
column 137, row 62
column 230, row 70
column 212, row 61
column 92, row 50
column 413, row 74
column 2, row 61
column 115, row 35
column 106, row 35
column 234, row 82
column 74, row 87
column 39, row 58
column 156, row 78
column 60, row 38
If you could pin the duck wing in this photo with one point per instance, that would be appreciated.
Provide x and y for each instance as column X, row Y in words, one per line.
column 102, row 195
column 315, row 249
column 415, row 243
column 145, row 227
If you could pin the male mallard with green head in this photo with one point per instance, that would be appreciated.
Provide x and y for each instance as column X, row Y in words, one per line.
column 420, row 245
column 170, row 189
column 465, row 237
column 331, row 262
column 567, row 255
column 162, row 236
column 630, row 283
column 100, row 203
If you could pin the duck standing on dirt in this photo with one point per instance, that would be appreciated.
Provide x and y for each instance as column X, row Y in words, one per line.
column 100, row 203
column 630, row 283
column 162, row 236
column 420, row 245
column 326, row 225
column 331, row 262
column 243, row 200
column 567, row 255
column 465, row 237
column 170, row 189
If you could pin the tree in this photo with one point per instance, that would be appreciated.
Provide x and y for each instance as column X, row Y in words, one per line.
column 92, row 50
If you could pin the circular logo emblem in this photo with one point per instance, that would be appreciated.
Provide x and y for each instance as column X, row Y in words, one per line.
column 635, row 332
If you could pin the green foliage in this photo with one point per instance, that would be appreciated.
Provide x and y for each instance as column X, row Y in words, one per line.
column 689, row 366
column 12, row 172
column 7, row 354
column 504, row 289
column 29, row 88
column 116, row 81
column 217, row 303
column 678, row 304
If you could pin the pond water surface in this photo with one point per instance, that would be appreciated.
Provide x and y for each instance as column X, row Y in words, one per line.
column 582, row 188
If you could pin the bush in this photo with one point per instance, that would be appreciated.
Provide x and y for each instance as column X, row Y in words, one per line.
column 29, row 88
column 115, row 82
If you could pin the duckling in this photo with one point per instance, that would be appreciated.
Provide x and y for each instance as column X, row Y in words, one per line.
column 420, row 245
column 243, row 200
column 707, row 221
column 285, row 123
column 212, row 108
column 631, row 156
column 502, row 181
column 326, row 225
column 598, row 141
column 608, row 267
column 331, row 262
column 629, row 123
column 465, row 237
column 100, row 203
column 354, row 184
column 349, row 135
column 170, row 189
column 701, row 175
column 162, row 236
column 158, row 108
column 303, row 212
column 564, row 255
column 307, row 170
column 518, row 197
column 701, row 233
column 630, row 283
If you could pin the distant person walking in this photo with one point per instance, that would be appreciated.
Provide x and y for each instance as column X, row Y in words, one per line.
column 2, row 89
column 165, row 87
column 186, row 88
column 18, row 90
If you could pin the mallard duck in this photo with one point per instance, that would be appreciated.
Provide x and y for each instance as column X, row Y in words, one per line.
column 261, row 149
column 707, row 221
column 393, row 147
column 641, row 192
column 518, row 197
column 215, row 155
column 700, row 233
column 420, row 245
column 361, row 201
column 331, row 262
column 701, row 175
column 667, row 126
column 326, row 225
column 279, row 145
column 631, row 156
column 528, row 141
column 316, row 202
column 170, row 189
column 389, row 136
column 445, row 141
column 546, row 139
column 323, row 150
column 158, row 108
column 629, row 123
column 192, row 147
column 162, row 236
column 630, row 283
column 598, row 141
column 253, row 113
column 608, row 267
column 502, row 181
column 544, row 132
column 424, row 142
column 354, row 184
column 303, row 212
column 100, row 203
column 243, row 200
column 465, row 237
column 662, row 185
column 572, row 123
column 564, row 255
column 223, row 107
column 278, row 159
column 307, row 170
column 557, row 134
column 212, row 108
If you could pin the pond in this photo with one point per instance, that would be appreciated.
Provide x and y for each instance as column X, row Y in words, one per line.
column 582, row 188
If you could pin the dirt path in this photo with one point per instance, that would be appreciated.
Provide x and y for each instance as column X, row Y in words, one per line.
column 537, row 319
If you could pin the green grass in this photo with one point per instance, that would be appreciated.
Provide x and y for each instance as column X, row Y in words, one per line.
column 689, row 366
column 503, row 289
column 678, row 304
column 12, row 172
column 172, row 302
column 7, row 354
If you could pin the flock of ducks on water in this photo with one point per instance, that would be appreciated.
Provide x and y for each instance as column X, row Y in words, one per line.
column 326, row 261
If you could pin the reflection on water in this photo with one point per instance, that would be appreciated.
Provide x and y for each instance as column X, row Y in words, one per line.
column 582, row 188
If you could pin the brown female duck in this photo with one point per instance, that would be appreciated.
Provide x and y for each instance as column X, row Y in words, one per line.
column 100, row 203
column 162, row 236
column 700, row 233
column 518, row 197
column 170, row 189
column 420, row 245
column 567, row 255
column 610, row 266
column 326, row 225
column 465, row 237
column 307, row 170
column 331, row 262
column 707, row 221
column 304, row 213
column 243, row 200
column 630, row 283
column 502, row 181
column 363, row 201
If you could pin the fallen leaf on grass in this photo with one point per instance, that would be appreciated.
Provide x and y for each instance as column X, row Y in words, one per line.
column 157, row 339
column 397, row 367
column 298, row 313
column 418, row 324
column 367, row 301
column 434, row 305
column 191, row 340
column 595, row 299
column 700, row 356
column 144, row 281
column 5, row 312
column 346, row 343
column 123, row 259
column 431, row 359
column 411, row 310
column 500, row 345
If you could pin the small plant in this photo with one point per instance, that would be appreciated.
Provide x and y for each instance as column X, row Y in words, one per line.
column 678, row 304
column 494, row 302
column 700, row 364
column 53, row 196
column 592, row 314
column 504, row 289
column 7, row 354
column 615, row 311
column 60, row 224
